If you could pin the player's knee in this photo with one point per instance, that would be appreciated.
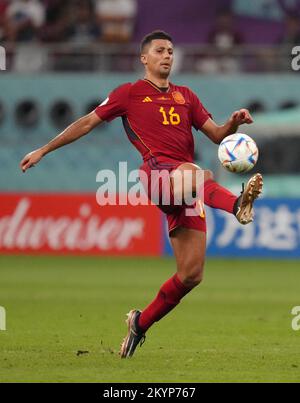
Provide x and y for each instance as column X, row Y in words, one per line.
column 192, row 280
column 205, row 175
column 193, row 274
column 208, row 175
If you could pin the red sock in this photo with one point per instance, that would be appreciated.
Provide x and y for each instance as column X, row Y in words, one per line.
column 168, row 297
column 218, row 197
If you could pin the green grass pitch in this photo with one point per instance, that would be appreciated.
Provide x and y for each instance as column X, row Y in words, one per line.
column 65, row 321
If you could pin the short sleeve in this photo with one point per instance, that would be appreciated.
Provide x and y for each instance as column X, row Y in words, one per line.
column 199, row 114
column 115, row 104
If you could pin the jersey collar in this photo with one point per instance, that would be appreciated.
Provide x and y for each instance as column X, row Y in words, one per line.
column 155, row 86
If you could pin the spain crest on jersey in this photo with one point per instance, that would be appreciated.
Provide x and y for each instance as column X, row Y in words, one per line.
column 178, row 97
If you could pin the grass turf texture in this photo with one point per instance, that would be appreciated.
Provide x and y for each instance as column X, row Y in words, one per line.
column 65, row 321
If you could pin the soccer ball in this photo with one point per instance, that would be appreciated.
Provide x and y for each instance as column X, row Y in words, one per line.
column 238, row 153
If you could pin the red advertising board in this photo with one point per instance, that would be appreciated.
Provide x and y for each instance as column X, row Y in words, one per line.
column 76, row 224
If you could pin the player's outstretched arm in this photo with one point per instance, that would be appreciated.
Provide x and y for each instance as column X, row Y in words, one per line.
column 76, row 130
column 218, row 133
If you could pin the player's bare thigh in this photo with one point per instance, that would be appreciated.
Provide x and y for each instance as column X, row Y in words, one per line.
column 189, row 247
column 187, row 179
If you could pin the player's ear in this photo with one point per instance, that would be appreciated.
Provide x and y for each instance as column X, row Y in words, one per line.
column 143, row 59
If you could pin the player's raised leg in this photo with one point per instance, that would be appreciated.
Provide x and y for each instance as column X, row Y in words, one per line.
column 218, row 197
column 189, row 249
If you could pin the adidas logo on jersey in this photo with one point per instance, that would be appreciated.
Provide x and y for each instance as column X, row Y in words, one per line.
column 147, row 99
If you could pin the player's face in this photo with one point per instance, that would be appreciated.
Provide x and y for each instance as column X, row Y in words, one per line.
column 158, row 57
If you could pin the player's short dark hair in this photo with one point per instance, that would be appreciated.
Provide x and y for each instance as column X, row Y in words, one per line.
column 155, row 35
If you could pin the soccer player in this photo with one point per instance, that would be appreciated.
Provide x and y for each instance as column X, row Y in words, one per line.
column 158, row 117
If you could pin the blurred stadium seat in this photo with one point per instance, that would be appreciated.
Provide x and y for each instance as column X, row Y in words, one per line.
column 27, row 113
column 61, row 114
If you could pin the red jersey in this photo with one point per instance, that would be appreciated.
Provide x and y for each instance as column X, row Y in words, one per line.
column 158, row 123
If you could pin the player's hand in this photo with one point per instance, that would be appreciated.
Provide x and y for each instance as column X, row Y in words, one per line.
column 240, row 117
column 31, row 159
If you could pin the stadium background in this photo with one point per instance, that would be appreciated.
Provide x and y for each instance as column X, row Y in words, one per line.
column 68, row 56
